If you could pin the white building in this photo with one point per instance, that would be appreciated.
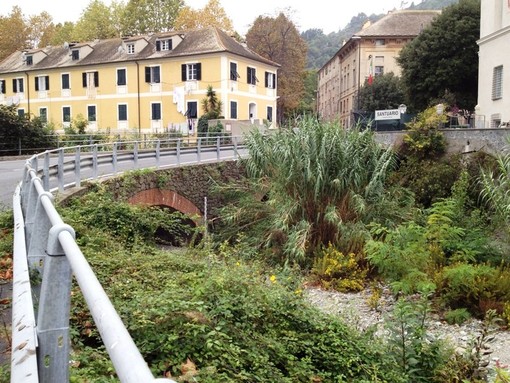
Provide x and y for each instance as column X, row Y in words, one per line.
column 493, row 107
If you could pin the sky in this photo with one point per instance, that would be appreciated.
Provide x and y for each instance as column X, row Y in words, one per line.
column 328, row 15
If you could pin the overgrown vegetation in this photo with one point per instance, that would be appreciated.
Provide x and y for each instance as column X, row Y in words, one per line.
column 319, row 205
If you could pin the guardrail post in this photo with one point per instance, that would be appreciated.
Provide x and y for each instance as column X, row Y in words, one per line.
column 46, row 171
column 178, row 151
column 114, row 157
column 36, row 231
column 199, row 148
column 135, row 155
column 77, row 167
column 158, row 152
column 60, row 170
column 236, row 153
column 54, row 311
column 218, row 148
column 94, row 161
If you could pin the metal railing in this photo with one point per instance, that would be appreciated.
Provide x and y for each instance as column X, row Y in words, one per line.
column 46, row 255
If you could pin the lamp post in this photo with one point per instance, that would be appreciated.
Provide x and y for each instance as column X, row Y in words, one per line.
column 402, row 108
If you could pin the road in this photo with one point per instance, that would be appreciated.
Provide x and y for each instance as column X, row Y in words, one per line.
column 11, row 173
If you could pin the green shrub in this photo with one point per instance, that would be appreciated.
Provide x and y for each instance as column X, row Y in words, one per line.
column 457, row 316
column 478, row 288
column 337, row 271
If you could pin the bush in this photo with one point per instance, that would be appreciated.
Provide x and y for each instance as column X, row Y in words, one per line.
column 337, row 271
column 457, row 316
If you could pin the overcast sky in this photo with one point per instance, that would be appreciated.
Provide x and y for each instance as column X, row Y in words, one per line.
column 328, row 15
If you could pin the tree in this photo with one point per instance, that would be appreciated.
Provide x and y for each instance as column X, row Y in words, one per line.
column 211, row 15
column 385, row 92
column 14, row 33
column 16, row 131
column 146, row 16
column 94, row 23
column 444, row 59
column 278, row 40
column 41, row 29
column 62, row 33
column 211, row 105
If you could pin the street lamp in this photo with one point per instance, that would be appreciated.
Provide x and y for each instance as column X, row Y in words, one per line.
column 402, row 109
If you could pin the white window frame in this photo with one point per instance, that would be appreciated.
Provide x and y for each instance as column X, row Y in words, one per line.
column 165, row 45
column 192, row 72
column 41, row 80
column 19, row 81
column 95, row 115
column 45, row 108
column 64, row 122
column 130, row 48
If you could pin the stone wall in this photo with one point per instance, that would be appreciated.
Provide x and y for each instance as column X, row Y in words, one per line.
column 491, row 141
column 177, row 187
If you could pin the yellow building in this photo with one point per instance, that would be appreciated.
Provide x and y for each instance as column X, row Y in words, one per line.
column 152, row 83
column 370, row 52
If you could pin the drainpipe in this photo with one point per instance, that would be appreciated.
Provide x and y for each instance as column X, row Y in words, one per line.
column 28, row 94
column 138, row 96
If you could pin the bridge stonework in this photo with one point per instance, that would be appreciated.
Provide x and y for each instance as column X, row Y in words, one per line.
column 181, row 188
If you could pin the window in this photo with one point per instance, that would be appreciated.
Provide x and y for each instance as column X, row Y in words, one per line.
column 43, row 114
column 42, row 83
column 270, row 80
column 122, row 112
column 21, row 112
column 164, row 45
column 379, row 70
column 269, row 113
column 75, row 54
column 66, row 114
column 90, row 79
column 65, row 81
column 191, row 112
column 495, row 121
column 121, row 76
column 2, row 87
column 91, row 113
column 152, row 75
column 252, row 76
column 233, row 110
column 17, row 85
column 379, row 42
column 233, row 72
column 29, row 60
column 191, row 72
column 156, row 111
column 130, row 49
column 497, row 83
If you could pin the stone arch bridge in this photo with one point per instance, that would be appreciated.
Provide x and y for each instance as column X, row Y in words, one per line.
column 181, row 188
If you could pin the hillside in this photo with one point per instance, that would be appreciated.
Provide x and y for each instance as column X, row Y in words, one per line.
column 322, row 47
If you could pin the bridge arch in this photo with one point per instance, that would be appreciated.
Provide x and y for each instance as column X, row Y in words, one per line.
column 168, row 198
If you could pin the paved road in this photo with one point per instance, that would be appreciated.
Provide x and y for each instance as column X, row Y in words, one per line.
column 11, row 173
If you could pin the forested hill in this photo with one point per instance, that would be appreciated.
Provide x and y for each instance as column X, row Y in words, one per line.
column 322, row 47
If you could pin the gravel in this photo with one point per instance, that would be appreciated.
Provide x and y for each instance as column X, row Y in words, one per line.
column 355, row 310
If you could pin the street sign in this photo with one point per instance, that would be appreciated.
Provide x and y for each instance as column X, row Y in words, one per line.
column 388, row 114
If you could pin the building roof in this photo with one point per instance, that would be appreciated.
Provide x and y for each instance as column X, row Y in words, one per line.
column 194, row 42
column 400, row 23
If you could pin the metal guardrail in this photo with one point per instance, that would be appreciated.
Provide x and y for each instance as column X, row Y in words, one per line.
column 46, row 255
